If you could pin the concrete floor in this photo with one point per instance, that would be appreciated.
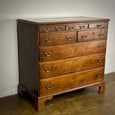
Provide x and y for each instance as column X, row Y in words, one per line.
column 83, row 102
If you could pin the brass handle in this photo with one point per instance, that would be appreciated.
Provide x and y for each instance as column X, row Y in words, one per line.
column 93, row 33
column 98, row 25
column 100, row 60
column 71, row 27
column 58, row 28
column 69, row 38
column 48, row 39
column 47, row 70
column 101, row 46
column 84, row 36
column 46, row 29
column 82, row 27
column 98, row 75
column 100, row 35
column 47, row 54
column 48, row 87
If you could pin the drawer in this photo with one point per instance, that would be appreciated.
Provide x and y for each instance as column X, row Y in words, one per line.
column 80, row 26
column 51, row 28
column 98, row 34
column 69, row 81
column 98, row 25
column 56, row 38
column 60, row 67
column 72, row 50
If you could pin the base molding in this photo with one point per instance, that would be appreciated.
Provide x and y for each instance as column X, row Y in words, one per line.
column 39, row 102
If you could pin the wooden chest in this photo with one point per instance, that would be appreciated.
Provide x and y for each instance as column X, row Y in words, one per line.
column 60, row 55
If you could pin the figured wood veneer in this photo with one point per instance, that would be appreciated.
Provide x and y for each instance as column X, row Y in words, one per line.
column 60, row 55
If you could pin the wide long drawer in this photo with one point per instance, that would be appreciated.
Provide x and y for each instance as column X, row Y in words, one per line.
column 60, row 67
column 72, row 50
column 65, row 82
column 57, row 38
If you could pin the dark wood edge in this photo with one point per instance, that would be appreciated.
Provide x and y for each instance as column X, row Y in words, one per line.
column 72, row 89
column 22, row 88
column 26, row 21
column 22, row 91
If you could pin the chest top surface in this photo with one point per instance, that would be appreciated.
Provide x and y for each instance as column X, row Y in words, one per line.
column 65, row 20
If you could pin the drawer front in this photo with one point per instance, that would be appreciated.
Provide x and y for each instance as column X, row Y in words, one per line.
column 72, row 50
column 60, row 67
column 98, row 25
column 98, row 34
column 65, row 82
column 51, row 28
column 56, row 38
column 71, row 27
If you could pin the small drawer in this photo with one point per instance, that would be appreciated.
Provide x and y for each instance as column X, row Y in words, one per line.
column 51, row 28
column 61, row 67
column 98, row 34
column 69, row 81
column 57, row 38
column 72, row 27
column 71, row 50
column 98, row 25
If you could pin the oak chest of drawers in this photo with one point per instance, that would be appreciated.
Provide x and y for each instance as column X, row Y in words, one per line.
column 60, row 55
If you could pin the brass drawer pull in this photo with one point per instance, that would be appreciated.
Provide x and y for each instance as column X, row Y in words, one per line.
column 99, row 25
column 100, row 35
column 71, row 27
column 84, row 36
column 46, row 29
column 101, row 46
column 47, row 54
column 47, row 70
column 100, row 60
column 48, row 87
column 69, row 38
column 58, row 28
column 82, row 27
column 48, row 39
column 99, row 75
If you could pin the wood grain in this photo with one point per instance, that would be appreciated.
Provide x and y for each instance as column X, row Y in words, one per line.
column 61, row 67
column 64, row 20
column 51, row 28
column 60, row 55
column 41, row 102
column 101, row 87
column 72, row 50
column 57, row 38
column 98, row 25
column 79, row 26
column 97, row 34
column 69, row 81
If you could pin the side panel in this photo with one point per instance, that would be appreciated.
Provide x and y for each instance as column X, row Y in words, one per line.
column 28, row 55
